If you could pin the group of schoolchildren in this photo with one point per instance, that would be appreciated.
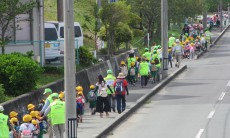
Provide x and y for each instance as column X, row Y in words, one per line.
column 32, row 125
column 194, row 39
column 102, row 97
column 143, row 68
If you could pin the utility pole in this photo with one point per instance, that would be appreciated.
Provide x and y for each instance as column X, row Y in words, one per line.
column 228, row 14
column 60, row 11
column 221, row 14
column 164, row 36
column 148, row 40
column 69, row 71
column 42, row 33
column 98, row 3
column 205, row 18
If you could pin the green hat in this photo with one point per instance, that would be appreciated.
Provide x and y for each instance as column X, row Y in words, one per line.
column 56, row 95
column 155, row 48
column 154, row 52
column 159, row 46
column 47, row 90
column 146, row 49
column 186, row 34
column 109, row 71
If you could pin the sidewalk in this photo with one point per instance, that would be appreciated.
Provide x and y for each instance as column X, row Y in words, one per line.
column 93, row 124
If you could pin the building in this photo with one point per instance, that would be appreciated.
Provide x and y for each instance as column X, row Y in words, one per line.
column 28, row 33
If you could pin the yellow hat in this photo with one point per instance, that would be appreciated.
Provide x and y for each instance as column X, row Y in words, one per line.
column 122, row 62
column 137, row 58
column 27, row 118
column 34, row 122
column 13, row 114
column 79, row 88
column 13, row 120
column 132, row 64
column 30, row 106
column 61, row 95
column 192, row 44
column 152, row 62
column 80, row 93
column 92, row 87
column 33, row 113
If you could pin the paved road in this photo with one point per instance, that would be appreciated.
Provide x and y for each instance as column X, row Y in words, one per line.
column 93, row 124
column 194, row 105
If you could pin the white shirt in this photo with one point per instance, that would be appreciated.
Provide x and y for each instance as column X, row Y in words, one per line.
column 27, row 126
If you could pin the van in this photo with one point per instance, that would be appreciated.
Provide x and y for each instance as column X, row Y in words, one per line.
column 78, row 35
column 52, row 45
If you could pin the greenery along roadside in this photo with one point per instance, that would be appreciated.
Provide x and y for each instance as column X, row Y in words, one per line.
column 19, row 73
column 16, row 67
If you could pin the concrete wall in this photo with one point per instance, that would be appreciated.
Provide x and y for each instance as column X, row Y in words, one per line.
column 84, row 78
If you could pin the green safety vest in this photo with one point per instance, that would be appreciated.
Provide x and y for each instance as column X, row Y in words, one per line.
column 110, row 81
column 50, row 99
column 57, row 112
column 171, row 41
column 130, row 60
column 157, row 56
column 144, row 68
column 4, row 130
column 147, row 55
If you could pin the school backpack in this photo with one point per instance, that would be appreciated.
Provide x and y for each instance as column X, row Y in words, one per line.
column 103, row 92
column 153, row 68
column 80, row 104
column 132, row 72
column 156, row 60
column 119, row 86
column 92, row 96
column 27, row 133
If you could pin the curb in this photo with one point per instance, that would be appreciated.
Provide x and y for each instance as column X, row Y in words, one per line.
column 215, row 41
column 133, row 108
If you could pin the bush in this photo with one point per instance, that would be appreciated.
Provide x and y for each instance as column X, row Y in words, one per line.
column 19, row 73
column 2, row 93
column 85, row 57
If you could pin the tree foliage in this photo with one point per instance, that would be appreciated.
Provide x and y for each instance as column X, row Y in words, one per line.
column 9, row 9
column 112, row 16
column 19, row 73
column 85, row 57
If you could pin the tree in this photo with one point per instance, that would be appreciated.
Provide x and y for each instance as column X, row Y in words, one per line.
column 19, row 73
column 9, row 9
column 111, row 15
column 123, row 33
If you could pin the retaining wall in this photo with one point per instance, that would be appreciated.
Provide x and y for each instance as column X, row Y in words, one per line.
column 83, row 78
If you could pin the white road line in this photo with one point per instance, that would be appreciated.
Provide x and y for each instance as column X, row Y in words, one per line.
column 199, row 133
column 222, row 96
column 211, row 114
column 228, row 83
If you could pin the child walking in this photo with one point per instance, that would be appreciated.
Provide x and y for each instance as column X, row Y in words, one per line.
column 92, row 98
column 132, row 73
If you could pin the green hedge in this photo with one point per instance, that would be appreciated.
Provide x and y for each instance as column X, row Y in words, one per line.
column 86, row 58
column 18, row 73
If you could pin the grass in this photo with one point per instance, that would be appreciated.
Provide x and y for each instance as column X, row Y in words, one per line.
column 48, row 78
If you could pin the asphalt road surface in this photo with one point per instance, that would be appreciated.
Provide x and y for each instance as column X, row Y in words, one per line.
column 196, row 104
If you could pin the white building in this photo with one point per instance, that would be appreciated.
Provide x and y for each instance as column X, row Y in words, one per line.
column 30, row 33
